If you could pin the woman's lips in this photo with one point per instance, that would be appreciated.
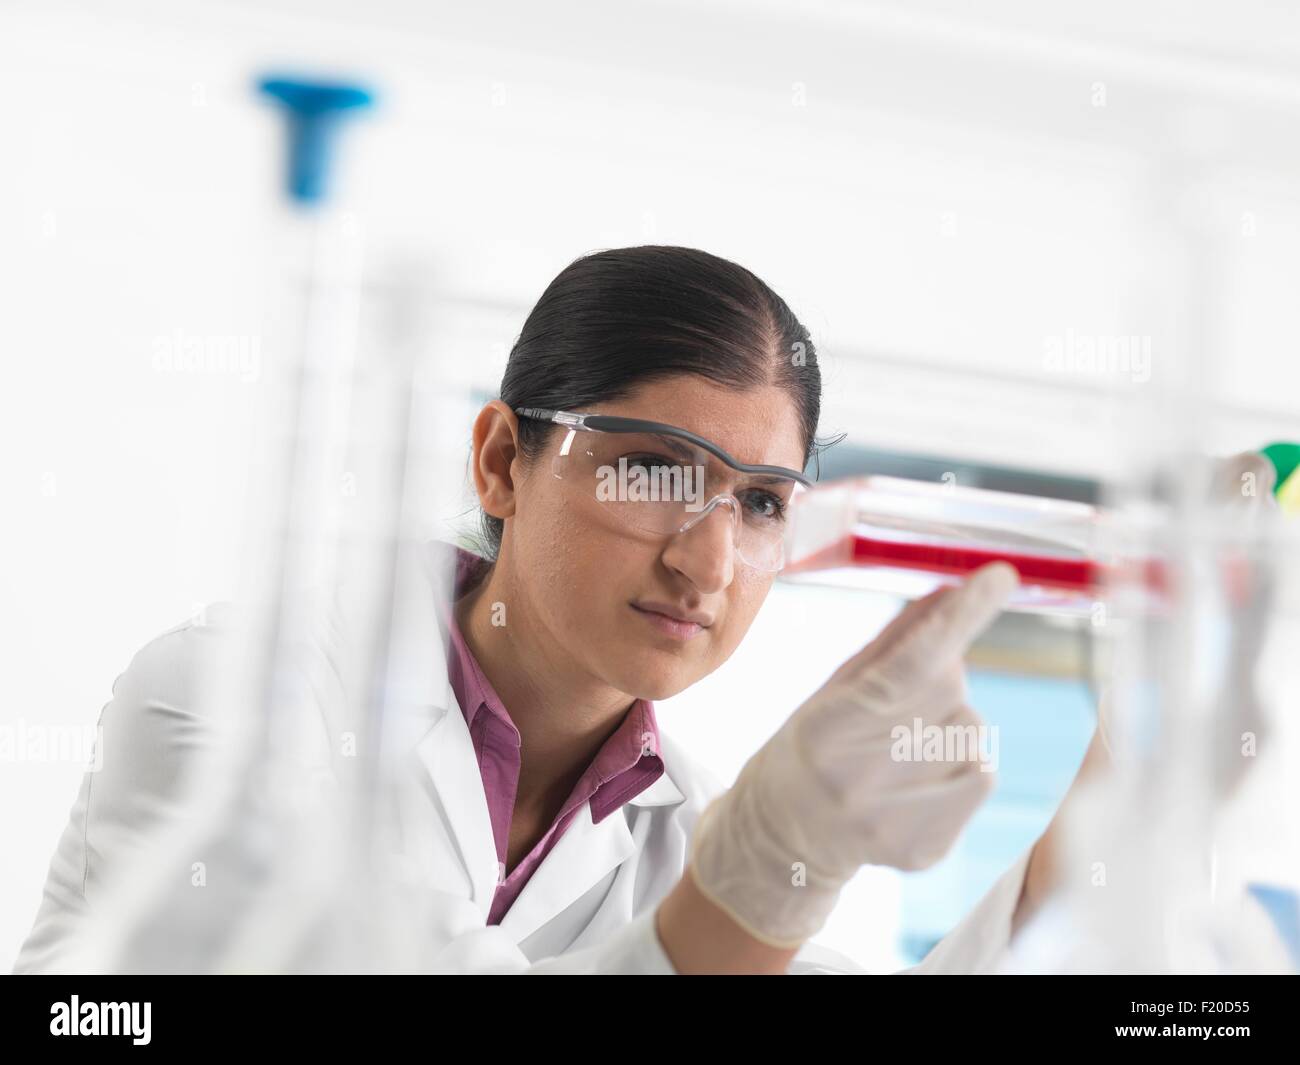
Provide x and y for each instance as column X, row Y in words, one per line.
column 677, row 628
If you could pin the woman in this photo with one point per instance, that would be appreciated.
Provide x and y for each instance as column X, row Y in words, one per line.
column 656, row 415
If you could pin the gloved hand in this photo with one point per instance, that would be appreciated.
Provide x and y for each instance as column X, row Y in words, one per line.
column 827, row 794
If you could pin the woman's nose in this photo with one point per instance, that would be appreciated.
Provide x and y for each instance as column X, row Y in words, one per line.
column 705, row 552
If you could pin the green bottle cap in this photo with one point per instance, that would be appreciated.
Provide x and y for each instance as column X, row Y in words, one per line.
column 1285, row 457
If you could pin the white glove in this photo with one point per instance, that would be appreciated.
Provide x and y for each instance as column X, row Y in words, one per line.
column 829, row 791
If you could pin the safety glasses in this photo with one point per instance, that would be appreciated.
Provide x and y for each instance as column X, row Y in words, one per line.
column 653, row 478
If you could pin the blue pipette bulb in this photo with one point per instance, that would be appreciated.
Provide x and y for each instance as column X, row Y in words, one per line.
column 314, row 110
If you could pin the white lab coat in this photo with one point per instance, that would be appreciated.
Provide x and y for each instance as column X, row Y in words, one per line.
column 588, row 908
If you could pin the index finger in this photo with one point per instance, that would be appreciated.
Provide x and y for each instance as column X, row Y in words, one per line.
column 936, row 637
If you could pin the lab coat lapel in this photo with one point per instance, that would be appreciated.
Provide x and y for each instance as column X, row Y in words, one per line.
column 447, row 752
column 434, row 727
column 581, row 857
column 584, row 855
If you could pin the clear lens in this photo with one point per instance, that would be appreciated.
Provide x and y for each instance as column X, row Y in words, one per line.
column 663, row 485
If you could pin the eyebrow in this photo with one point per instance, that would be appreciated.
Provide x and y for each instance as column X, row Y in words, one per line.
column 685, row 450
column 680, row 447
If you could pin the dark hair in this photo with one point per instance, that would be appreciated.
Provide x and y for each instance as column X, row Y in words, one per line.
column 616, row 319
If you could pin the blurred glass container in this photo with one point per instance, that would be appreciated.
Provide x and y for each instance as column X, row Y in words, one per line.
column 905, row 537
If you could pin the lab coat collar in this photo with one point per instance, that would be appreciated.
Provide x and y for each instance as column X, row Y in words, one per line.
column 583, row 855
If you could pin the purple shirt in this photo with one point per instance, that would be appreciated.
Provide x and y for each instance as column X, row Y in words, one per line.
column 625, row 766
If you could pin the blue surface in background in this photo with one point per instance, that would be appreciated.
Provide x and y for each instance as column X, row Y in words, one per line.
column 1283, row 906
column 1044, row 727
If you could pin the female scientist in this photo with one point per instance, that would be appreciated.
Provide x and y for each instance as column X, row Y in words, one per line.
column 560, row 831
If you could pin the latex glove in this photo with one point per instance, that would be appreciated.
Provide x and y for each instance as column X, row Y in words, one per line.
column 827, row 794
column 1246, row 479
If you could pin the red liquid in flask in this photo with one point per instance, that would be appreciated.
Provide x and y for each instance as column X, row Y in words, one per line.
column 1054, row 583
column 1071, row 574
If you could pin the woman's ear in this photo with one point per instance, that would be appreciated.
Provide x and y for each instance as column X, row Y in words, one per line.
column 496, row 445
